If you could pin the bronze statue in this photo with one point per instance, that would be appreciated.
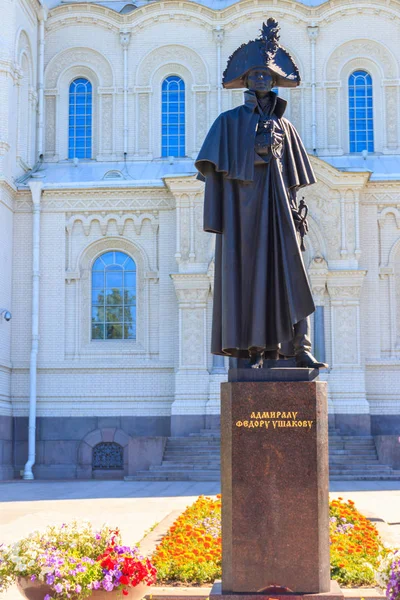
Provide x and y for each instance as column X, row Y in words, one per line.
column 253, row 163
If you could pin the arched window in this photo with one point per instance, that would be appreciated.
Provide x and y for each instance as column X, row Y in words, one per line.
column 173, row 117
column 361, row 118
column 114, row 297
column 80, row 119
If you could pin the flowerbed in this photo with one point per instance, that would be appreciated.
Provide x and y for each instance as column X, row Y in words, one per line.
column 191, row 550
column 356, row 548
column 73, row 560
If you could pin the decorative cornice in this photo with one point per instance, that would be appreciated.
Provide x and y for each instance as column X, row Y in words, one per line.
column 192, row 289
column 337, row 179
column 345, row 286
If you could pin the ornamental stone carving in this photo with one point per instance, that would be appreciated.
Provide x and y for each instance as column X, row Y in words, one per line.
column 104, row 221
column 144, row 116
column 191, row 288
column 107, row 123
column 332, row 116
column 192, row 340
column 187, row 57
column 79, row 56
column 137, row 200
column 192, row 291
column 325, row 210
column 345, row 291
column 359, row 48
column 201, row 118
column 50, row 129
column 295, row 109
column 392, row 116
column 345, row 338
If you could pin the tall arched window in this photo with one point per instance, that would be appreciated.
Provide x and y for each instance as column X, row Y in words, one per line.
column 80, row 119
column 114, row 297
column 173, row 117
column 361, row 118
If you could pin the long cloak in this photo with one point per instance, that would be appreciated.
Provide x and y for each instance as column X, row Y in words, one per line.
column 261, row 288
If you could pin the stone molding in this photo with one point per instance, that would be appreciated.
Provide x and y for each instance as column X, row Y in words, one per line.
column 120, row 219
column 358, row 48
column 192, row 289
column 82, row 57
column 188, row 58
column 89, row 200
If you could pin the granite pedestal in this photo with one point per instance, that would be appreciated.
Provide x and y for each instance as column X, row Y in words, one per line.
column 275, row 481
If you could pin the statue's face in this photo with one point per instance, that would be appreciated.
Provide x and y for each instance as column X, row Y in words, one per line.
column 260, row 80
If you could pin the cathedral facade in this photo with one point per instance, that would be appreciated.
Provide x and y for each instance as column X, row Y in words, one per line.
column 105, row 268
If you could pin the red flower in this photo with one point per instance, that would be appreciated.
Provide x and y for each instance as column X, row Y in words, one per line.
column 108, row 563
column 125, row 592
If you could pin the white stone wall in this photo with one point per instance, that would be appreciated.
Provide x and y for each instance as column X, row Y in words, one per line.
column 354, row 222
column 346, row 38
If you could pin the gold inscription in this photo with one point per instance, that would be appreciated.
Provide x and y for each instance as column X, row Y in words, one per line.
column 275, row 420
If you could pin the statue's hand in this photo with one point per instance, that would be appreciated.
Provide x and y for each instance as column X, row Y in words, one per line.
column 298, row 221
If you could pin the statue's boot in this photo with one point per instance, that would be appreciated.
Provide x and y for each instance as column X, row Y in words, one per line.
column 305, row 359
column 302, row 347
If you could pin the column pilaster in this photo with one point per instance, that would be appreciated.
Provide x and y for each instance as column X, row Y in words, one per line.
column 188, row 411
column 347, row 377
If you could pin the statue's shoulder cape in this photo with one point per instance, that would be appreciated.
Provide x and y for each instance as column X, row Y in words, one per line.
column 229, row 147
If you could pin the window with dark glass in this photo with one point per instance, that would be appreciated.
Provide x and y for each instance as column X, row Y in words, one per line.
column 80, row 119
column 173, row 117
column 361, row 117
column 114, row 297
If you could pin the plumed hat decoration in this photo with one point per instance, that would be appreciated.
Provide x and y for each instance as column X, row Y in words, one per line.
column 263, row 52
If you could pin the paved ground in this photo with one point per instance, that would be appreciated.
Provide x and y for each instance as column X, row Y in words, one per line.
column 135, row 507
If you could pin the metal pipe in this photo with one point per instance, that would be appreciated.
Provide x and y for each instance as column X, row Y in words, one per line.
column 36, row 191
column 219, row 37
column 313, row 32
column 40, row 123
column 124, row 39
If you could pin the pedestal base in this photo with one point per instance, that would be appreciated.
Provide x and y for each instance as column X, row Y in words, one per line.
column 335, row 593
column 274, row 475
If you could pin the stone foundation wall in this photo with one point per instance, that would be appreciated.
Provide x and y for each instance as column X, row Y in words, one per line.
column 6, row 448
column 64, row 444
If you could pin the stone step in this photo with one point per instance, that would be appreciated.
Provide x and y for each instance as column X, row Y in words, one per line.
column 192, row 459
column 206, row 435
column 212, row 431
column 358, row 453
column 361, row 465
column 364, row 477
column 190, row 452
column 189, row 447
column 361, row 471
column 193, row 444
column 192, row 477
column 340, row 441
column 195, row 459
column 181, row 466
column 354, row 441
column 183, row 469
column 356, row 449
column 368, row 452
column 343, row 460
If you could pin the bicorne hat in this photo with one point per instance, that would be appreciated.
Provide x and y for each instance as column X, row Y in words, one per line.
column 264, row 52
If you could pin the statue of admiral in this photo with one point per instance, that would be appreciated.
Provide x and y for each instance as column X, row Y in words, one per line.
column 253, row 163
